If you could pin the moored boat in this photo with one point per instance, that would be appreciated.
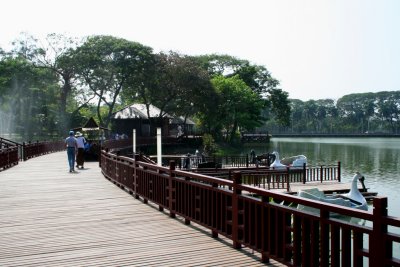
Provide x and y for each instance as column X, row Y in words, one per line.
column 295, row 161
column 353, row 199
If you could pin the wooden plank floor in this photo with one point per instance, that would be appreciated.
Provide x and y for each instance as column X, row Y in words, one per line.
column 50, row 217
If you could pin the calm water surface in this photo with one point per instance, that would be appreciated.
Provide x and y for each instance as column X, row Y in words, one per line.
column 378, row 159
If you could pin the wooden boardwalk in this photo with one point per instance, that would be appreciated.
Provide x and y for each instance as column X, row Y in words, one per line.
column 50, row 217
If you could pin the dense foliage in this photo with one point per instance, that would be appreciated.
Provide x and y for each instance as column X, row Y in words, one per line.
column 49, row 86
column 351, row 114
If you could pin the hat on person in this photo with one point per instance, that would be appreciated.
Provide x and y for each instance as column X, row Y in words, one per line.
column 78, row 134
column 71, row 132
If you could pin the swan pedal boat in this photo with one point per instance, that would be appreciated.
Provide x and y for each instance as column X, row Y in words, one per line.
column 294, row 161
column 354, row 199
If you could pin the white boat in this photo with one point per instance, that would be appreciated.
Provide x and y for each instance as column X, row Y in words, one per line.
column 353, row 199
column 295, row 161
column 277, row 163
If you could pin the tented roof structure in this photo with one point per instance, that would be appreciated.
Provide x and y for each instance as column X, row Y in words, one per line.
column 139, row 111
column 90, row 125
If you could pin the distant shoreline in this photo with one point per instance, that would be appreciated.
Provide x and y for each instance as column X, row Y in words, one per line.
column 335, row 135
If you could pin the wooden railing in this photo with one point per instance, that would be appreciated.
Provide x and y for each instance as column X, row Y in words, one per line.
column 8, row 157
column 35, row 149
column 9, row 153
column 140, row 141
column 304, row 174
column 322, row 173
column 28, row 150
column 220, row 162
column 267, row 178
column 263, row 220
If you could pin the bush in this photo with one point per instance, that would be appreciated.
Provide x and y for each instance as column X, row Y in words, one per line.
column 209, row 144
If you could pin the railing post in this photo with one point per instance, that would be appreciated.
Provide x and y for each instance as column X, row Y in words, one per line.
column 137, row 157
column 237, row 180
column 170, row 189
column 264, row 230
column 247, row 160
column 377, row 242
column 214, row 233
column 321, row 173
column 304, row 173
column 287, row 179
column 324, row 238
column 339, row 172
column 23, row 151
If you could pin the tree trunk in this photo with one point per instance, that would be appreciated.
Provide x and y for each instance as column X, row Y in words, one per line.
column 65, row 91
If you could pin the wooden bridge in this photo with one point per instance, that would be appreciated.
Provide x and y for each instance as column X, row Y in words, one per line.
column 50, row 217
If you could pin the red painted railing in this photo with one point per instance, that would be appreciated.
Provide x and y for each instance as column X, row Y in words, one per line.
column 140, row 141
column 35, row 149
column 8, row 157
column 9, row 153
column 265, row 221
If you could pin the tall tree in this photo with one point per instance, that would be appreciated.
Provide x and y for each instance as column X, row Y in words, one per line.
column 52, row 54
column 239, row 107
column 28, row 98
column 176, row 84
column 256, row 77
column 107, row 66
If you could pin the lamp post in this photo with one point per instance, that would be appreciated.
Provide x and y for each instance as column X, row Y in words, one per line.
column 134, row 142
column 159, row 163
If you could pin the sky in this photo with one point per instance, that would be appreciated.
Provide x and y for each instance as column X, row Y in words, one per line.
column 317, row 49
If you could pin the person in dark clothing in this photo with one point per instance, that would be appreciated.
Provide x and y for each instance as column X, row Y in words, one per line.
column 253, row 156
column 187, row 162
column 72, row 145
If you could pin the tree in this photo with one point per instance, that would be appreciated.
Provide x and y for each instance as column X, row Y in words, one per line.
column 109, row 65
column 176, row 84
column 239, row 107
column 256, row 77
column 280, row 106
column 388, row 109
column 52, row 54
column 28, row 98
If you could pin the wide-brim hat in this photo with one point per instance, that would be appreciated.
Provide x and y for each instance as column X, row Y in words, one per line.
column 78, row 134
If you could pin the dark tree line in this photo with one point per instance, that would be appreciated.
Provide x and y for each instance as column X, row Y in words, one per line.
column 48, row 86
column 351, row 114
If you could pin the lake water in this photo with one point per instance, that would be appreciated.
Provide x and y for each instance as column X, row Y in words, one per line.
column 378, row 159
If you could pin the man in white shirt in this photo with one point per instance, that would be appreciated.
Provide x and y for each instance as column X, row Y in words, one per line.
column 80, row 156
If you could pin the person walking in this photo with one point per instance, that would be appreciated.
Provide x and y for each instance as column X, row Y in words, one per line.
column 71, row 144
column 80, row 156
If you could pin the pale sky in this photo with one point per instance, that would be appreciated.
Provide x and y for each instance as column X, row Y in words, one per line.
column 315, row 48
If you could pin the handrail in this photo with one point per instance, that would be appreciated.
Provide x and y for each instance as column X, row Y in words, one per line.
column 140, row 141
column 8, row 142
column 268, row 222
column 35, row 149
column 8, row 157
